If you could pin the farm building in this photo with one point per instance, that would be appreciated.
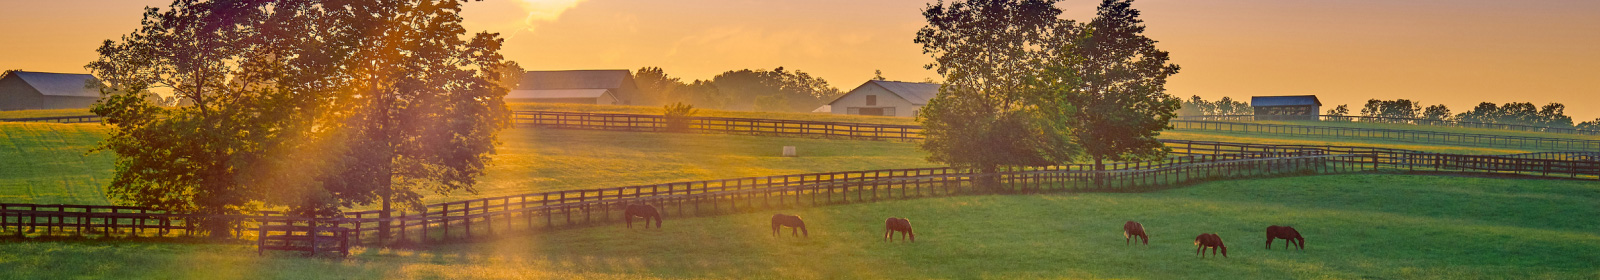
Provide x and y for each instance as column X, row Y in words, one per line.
column 885, row 98
column 1289, row 107
column 576, row 86
column 20, row 90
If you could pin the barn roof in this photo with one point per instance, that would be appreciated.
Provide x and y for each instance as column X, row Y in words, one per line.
column 1287, row 100
column 59, row 84
column 555, row 93
column 916, row 93
column 574, row 79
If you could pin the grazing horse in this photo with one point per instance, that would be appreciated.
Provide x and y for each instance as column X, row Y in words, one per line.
column 643, row 211
column 901, row 225
column 1209, row 240
column 789, row 221
column 1288, row 234
column 1132, row 229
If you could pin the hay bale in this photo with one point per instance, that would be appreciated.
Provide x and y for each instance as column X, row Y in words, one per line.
column 788, row 151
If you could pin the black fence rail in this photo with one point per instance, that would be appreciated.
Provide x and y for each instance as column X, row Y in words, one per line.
column 1412, row 136
column 717, row 125
column 66, row 119
column 1415, row 121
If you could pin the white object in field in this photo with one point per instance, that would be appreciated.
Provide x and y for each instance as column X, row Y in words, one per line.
column 788, row 151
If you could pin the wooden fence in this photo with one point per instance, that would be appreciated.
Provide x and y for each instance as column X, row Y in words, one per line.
column 717, row 125
column 1414, row 121
column 482, row 217
column 1413, row 136
column 66, row 119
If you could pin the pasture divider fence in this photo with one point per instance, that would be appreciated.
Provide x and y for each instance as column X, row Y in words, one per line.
column 1392, row 120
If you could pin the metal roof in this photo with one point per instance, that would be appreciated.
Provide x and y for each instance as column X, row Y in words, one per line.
column 556, row 93
column 1286, row 100
column 916, row 93
column 59, row 84
column 574, row 79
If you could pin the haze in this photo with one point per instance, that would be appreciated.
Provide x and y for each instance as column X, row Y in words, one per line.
column 1457, row 53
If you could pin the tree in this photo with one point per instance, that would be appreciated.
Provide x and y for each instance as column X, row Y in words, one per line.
column 1554, row 115
column 1228, row 107
column 1436, row 113
column 1593, row 125
column 775, row 90
column 1399, row 108
column 877, row 75
column 301, row 103
column 1340, row 111
column 656, row 87
column 1123, row 104
column 997, row 107
column 1485, row 112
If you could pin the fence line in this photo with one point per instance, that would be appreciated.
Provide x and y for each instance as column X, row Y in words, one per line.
column 65, row 119
column 719, row 125
column 476, row 218
column 1415, row 136
column 1414, row 121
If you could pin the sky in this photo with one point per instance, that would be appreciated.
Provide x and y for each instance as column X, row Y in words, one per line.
column 1452, row 52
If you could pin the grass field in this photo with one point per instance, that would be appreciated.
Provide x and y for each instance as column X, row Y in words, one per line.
column 19, row 114
column 1361, row 226
column 48, row 163
column 657, row 110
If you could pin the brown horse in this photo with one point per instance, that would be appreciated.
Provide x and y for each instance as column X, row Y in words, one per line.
column 1132, row 229
column 1288, row 234
column 901, row 225
column 1209, row 240
column 789, row 221
column 643, row 211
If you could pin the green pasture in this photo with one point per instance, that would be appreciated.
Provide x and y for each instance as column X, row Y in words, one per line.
column 49, row 163
column 1359, row 226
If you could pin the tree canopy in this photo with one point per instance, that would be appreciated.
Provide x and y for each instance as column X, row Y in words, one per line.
column 310, row 105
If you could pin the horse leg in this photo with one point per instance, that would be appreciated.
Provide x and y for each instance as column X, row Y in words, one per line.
column 1198, row 248
column 629, row 218
column 1269, row 242
column 1145, row 238
column 794, row 232
column 888, row 235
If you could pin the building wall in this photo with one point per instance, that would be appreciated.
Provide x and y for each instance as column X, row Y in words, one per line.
column 1305, row 112
column 67, row 102
column 17, row 95
column 604, row 99
column 852, row 102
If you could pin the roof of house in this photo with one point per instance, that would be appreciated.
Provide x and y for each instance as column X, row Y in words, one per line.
column 574, row 79
column 59, row 84
column 1287, row 100
column 916, row 93
column 556, row 93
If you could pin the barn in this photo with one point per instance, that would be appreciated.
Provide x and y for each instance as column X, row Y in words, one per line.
column 1288, row 107
column 885, row 98
column 609, row 87
column 22, row 90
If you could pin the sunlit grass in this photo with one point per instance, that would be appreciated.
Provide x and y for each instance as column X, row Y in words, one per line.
column 19, row 114
column 1372, row 226
column 51, row 163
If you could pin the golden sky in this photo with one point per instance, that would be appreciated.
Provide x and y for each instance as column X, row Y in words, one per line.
column 1455, row 52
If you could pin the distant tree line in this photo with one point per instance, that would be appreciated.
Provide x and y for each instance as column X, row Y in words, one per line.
column 1197, row 106
column 1515, row 113
column 777, row 90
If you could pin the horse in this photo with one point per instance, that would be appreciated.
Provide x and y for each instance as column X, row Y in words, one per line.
column 1209, row 240
column 1288, row 234
column 901, row 225
column 789, row 221
column 643, row 211
column 1133, row 229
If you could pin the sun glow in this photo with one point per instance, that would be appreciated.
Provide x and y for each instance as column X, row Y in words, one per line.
column 540, row 11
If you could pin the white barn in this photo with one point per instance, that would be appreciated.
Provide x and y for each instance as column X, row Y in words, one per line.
column 606, row 87
column 885, row 98
column 21, row 90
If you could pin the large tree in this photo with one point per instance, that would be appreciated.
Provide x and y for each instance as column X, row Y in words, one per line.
column 995, row 108
column 1122, row 104
column 312, row 105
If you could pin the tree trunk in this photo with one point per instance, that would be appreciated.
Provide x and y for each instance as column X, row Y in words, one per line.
column 989, row 180
column 1099, row 169
column 383, row 216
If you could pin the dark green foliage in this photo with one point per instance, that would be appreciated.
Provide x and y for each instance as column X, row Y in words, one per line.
column 1197, row 106
column 312, row 105
column 759, row 90
column 677, row 115
column 1519, row 113
column 997, row 106
column 1122, row 102
column 1398, row 108
column 1437, row 112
